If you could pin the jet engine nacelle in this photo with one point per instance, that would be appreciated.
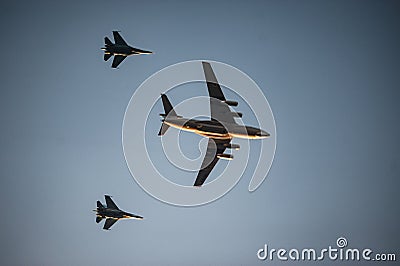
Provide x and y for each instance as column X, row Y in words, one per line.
column 237, row 114
column 225, row 156
column 231, row 103
column 233, row 146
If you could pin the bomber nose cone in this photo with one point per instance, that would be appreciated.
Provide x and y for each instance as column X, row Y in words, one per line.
column 263, row 134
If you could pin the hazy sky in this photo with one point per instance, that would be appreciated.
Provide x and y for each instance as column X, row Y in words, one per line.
column 329, row 69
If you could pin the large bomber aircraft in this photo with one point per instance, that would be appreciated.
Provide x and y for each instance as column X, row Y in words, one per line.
column 220, row 129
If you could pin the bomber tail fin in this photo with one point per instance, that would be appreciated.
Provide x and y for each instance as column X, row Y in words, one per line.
column 163, row 129
column 169, row 111
column 98, row 219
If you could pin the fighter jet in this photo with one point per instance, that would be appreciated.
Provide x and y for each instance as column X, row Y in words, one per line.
column 220, row 129
column 120, row 49
column 112, row 213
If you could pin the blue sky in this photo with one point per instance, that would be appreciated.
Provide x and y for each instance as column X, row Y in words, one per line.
column 328, row 69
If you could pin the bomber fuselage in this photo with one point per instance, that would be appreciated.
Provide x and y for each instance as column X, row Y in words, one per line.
column 215, row 129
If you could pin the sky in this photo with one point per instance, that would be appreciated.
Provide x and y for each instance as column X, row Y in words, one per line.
column 329, row 69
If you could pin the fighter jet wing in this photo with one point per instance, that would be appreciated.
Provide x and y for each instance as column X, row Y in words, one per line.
column 118, row 39
column 108, row 223
column 214, row 147
column 220, row 111
column 117, row 60
column 110, row 203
